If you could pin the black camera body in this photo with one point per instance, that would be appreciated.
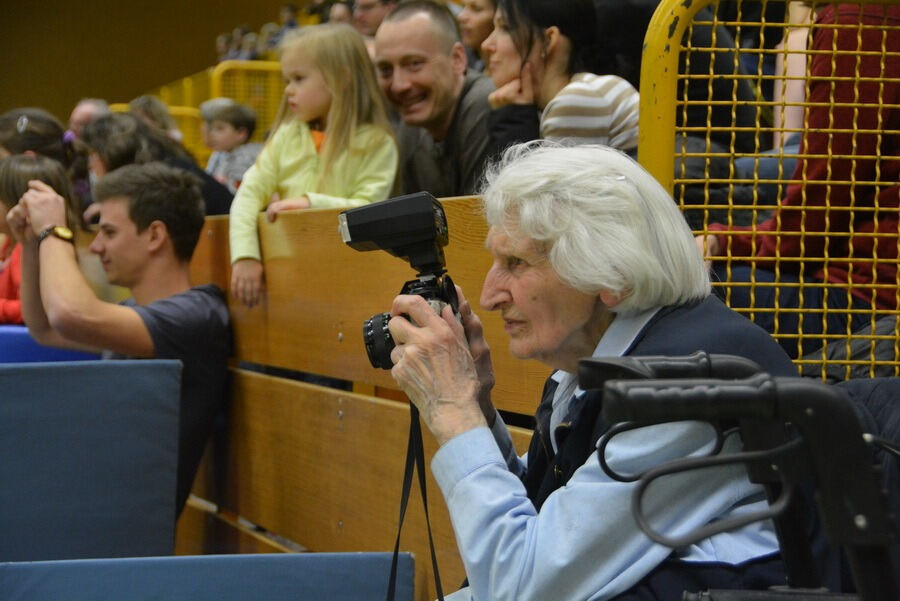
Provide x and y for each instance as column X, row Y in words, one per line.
column 414, row 228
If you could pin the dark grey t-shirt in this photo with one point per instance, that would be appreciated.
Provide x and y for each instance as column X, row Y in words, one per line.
column 194, row 328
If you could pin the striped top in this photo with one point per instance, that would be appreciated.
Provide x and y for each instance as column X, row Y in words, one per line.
column 593, row 109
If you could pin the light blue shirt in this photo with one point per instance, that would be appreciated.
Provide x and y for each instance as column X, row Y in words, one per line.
column 584, row 543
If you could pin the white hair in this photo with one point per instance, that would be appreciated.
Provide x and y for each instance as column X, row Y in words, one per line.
column 604, row 222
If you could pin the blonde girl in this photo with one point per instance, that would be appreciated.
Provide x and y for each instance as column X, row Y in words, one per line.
column 332, row 144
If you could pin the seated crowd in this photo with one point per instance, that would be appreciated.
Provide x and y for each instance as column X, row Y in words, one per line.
column 533, row 105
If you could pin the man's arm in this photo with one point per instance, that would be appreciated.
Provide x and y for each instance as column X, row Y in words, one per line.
column 77, row 316
column 59, row 307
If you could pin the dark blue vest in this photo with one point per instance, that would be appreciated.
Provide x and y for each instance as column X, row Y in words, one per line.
column 707, row 325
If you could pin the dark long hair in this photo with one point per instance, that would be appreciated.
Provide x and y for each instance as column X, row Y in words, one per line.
column 35, row 130
column 576, row 19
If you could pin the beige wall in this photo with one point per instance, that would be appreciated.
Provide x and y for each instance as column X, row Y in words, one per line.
column 54, row 52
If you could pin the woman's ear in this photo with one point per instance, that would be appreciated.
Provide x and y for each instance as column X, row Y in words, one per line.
column 609, row 298
column 551, row 38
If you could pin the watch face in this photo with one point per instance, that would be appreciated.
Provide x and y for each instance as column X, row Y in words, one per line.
column 63, row 232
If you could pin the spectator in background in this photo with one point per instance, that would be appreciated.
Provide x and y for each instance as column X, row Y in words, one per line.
column 340, row 12
column 787, row 116
column 223, row 45
column 122, row 139
column 421, row 65
column 476, row 22
column 287, row 16
column 545, row 56
column 155, row 113
column 248, row 47
column 315, row 12
column 150, row 221
column 15, row 173
column 230, row 129
column 86, row 111
column 368, row 15
column 845, row 231
column 207, row 109
column 35, row 131
column 264, row 48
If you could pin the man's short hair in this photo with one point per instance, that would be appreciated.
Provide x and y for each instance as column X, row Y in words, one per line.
column 240, row 116
column 438, row 13
column 157, row 192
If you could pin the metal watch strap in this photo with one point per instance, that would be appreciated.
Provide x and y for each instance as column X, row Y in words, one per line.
column 47, row 232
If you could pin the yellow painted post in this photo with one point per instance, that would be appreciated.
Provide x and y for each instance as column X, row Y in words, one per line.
column 659, row 79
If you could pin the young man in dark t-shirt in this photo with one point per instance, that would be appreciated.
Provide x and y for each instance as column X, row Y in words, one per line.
column 150, row 220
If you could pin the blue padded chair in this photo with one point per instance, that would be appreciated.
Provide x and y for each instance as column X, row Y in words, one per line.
column 17, row 346
column 299, row 577
column 88, row 457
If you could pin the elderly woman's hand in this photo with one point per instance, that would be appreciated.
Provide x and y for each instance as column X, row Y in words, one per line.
column 481, row 355
column 433, row 366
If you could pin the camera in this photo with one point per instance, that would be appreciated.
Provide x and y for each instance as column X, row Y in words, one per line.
column 414, row 228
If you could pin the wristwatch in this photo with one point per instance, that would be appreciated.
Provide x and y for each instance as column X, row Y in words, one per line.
column 60, row 231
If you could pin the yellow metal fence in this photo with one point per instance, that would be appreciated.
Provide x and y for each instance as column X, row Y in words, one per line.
column 188, row 91
column 802, row 235
column 258, row 84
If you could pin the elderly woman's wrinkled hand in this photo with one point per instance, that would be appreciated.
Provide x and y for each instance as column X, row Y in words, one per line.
column 433, row 366
column 481, row 355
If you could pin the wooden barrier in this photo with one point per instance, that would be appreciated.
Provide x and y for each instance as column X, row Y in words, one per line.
column 317, row 466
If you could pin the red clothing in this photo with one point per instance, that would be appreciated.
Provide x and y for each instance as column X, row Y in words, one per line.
column 10, row 277
column 841, row 244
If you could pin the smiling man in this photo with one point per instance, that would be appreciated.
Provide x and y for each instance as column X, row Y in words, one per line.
column 421, row 63
column 150, row 220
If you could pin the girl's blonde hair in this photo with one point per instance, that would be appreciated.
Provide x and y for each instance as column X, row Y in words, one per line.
column 339, row 53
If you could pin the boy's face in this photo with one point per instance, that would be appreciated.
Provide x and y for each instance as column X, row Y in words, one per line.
column 224, row 137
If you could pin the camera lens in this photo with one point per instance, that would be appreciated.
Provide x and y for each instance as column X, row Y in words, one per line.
column 379, row 343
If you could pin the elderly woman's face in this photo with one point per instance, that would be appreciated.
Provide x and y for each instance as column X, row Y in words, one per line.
column 545, row 318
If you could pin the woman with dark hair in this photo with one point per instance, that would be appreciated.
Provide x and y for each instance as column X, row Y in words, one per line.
column 35, row 131
column 547, row 56
column 122, row 139
column 15, row 172
column 476, row 22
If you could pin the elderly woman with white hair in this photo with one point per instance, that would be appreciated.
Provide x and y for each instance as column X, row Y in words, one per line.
column 591, row 258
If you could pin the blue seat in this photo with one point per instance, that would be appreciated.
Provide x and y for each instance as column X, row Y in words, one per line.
column 88, row 457
column 17, row 346
column 299, row 577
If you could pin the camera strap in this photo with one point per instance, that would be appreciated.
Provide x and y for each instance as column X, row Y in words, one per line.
column 415, row 459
